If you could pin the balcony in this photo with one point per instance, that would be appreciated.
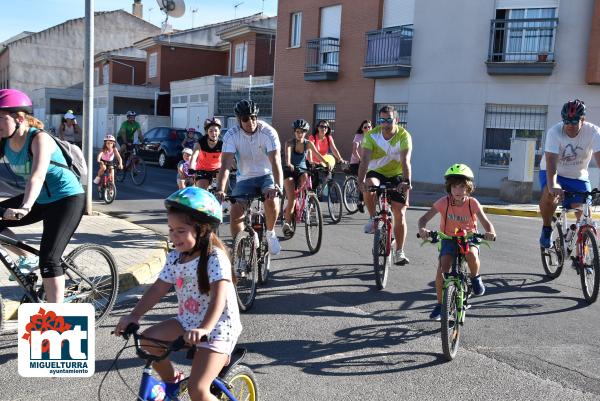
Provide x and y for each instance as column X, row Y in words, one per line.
column 388, row 52
column 322, row 59
column 522, row 46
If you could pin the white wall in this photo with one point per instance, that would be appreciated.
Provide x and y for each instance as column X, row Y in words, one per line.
column 449, row 86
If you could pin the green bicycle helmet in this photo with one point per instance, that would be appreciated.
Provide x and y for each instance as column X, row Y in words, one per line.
column 198, row 202
column 460, row 170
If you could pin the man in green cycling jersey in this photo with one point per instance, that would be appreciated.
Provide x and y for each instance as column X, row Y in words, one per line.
column 386, row 151
column 128, row 130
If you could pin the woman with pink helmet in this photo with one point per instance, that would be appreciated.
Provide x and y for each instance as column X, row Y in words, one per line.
column 52, row 194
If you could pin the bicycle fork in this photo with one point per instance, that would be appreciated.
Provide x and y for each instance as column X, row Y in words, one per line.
column 461, row 298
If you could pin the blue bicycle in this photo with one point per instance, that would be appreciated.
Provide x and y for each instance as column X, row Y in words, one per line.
column 236, row 382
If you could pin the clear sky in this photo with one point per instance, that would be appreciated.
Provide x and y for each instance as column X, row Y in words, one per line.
column 36, row 15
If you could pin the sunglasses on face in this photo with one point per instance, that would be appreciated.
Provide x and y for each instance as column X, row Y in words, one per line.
column 323, row 126
column 366, row 126
column 388, row 120
column 245, row 119
column 570, row 122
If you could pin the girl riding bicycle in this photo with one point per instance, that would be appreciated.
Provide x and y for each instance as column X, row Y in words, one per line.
column 184, row 177
column 201, row 272
column 207, row 153
column 107, row 156
column 295, row 169
column 190, row 139
column 458, row 211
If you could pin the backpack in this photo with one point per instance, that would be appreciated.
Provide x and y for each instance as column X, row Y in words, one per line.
column 72, row 154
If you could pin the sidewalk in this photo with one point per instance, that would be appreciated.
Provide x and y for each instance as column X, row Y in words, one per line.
column 139, row 252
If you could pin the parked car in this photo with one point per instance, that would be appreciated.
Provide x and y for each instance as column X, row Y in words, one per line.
column 162, row 145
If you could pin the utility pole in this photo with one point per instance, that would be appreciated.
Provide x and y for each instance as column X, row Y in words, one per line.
column 88, row 101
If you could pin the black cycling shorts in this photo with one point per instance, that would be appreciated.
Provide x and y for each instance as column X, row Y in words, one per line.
column 206, row 175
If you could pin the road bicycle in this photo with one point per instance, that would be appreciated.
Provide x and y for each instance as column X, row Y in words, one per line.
column 91, row 276
column 235, row 382
column 383, row 238
column 457, row 288
column 308, row 210
column 107, row 191
column 133, row 164
column 351, row 195
column 330, row 189
column 580, row 236
column 251, row 257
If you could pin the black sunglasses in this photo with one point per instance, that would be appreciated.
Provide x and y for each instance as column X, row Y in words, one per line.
column 322, row 126
column 245, row 119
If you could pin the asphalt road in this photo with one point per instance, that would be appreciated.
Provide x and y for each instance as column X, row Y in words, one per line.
column 321, row 330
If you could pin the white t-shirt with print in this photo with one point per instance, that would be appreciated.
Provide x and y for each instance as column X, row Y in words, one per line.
column 251, row 150
column 192, row 304
column 574, row 154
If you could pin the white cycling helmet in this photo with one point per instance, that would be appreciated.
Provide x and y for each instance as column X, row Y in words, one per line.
column 187, row 151
column 109, row 138
column 69, row 115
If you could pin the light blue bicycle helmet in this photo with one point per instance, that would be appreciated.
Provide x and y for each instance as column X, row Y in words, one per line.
column 198, row 202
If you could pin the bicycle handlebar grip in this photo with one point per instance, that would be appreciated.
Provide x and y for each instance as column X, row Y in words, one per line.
column 131, row 328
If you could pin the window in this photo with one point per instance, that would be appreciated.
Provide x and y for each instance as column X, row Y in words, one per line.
column 96, row 76
column 152, row 65
column 505, row 122
column 401, row 110
column 241, row 55
column 296, row 29
column 105, row 77
column 325, row 112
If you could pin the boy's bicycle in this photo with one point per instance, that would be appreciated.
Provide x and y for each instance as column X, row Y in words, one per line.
column 107, row 190
column 133, row 164
column 457, row 289
column 333, row 191
column 580, row 236
column 307, row 209
column 251, row 257
column 235, row 382
column 90, row 277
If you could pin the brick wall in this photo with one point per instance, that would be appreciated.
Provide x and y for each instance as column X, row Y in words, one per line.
column 177, row 63
column 264, row 55
column 593, row 64
column 251, row 40
column 120, row 74
column 351, row 93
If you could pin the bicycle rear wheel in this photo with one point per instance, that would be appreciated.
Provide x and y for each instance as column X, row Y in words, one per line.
column 553, row 258
column 381, row 255
column 241, row 382
column 313, row 223
column 450, row 322
column 245, row 268
column 110, row 193
column 590, row 271
column 138, row 170
column 351, row 194
column 91, row 277
column 334, row 201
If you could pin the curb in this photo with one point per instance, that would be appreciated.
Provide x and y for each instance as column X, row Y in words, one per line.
column 131, row 277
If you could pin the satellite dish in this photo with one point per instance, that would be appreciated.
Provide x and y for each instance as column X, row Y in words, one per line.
column 172, row 8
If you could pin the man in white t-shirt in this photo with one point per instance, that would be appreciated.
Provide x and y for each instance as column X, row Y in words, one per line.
column 567, row 153
column 256, row 148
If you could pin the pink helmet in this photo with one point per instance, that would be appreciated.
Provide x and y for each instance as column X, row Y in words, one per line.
column 109, row 138
column 13, row 101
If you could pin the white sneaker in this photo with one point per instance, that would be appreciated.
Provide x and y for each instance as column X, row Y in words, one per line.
column 288, row 231
column 273, row 241
column 97, row 180
column 369, row 228
column 400, row 258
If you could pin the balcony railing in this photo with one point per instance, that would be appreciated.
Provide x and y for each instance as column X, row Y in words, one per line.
column 388, row 52
column 522, row 46
column 322, row 59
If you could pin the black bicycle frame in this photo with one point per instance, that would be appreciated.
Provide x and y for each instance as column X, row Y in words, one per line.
column 27, row 284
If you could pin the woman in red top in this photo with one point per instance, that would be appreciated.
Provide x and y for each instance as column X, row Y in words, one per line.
column 324, row 142
column 206, row 158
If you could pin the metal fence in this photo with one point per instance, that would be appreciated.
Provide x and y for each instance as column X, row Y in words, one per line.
column 325, row 112
column 322, row 54
column 389, row 46
column 522, row 40
column 231, row 90
column 504, row 122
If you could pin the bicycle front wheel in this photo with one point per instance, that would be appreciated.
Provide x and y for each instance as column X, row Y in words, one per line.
column 351, row 194
column 334, row 201
column 590, row 270
column 91, row 277
column 110, row 193
column 313, row 223
column 241, row 383
column 381, row 255
column 138, row 170
column 553, row 258
column 450, row 321
column 264, row 263
column 245, row 268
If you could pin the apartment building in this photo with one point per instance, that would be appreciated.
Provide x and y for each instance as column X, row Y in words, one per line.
column 468, row 76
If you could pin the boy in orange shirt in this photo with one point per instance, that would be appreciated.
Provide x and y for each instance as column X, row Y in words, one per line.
column 458, row 210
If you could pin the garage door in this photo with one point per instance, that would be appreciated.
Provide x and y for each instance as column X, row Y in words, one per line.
column 179, row 117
